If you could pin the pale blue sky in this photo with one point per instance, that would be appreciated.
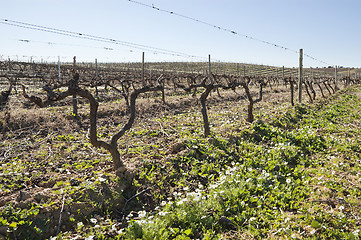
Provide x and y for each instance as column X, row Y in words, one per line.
column 326, row 29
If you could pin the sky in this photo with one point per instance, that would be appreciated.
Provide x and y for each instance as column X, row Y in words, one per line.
column 326, row 30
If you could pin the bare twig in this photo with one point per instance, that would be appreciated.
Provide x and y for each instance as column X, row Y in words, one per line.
column 162, row 129
column 132, row 197
column 61, row 213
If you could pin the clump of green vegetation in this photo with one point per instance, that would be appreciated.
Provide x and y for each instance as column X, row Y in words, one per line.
column 293, row 177
column 20, row 222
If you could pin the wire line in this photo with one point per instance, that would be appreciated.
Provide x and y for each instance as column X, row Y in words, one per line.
column 223, row 29
column 96, row 38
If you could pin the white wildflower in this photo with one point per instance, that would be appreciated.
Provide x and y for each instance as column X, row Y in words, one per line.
column 142, row 214
column 101, row 179
column 222, row 178
column 213, row 186
column 161, row 213
column 114, row 227
column 180, row 202
column 93, row 220
column 197, row 197
column 141, row 222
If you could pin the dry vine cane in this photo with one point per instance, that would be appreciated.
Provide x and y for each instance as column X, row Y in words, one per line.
column 111, row 147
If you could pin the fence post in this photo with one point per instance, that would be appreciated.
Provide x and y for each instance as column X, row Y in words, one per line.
column 143, row 68
column 96, row 69
column 300, row 76
column 209, row 68
column 96, row 78
column 75, row 102
column 59, row 74
column 336, row 88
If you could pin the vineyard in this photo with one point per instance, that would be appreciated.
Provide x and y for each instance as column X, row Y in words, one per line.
column 178, row 151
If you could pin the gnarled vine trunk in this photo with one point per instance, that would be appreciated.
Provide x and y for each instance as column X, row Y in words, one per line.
column 4, row 96
column 250, row 117
column 203, row 99
column 111, row 147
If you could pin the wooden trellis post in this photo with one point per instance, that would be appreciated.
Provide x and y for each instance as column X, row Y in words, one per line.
column 75, row 102
column 209, row 68
column 336, row 88
column 96, row 78
column 143, row 68
column 300, row 76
